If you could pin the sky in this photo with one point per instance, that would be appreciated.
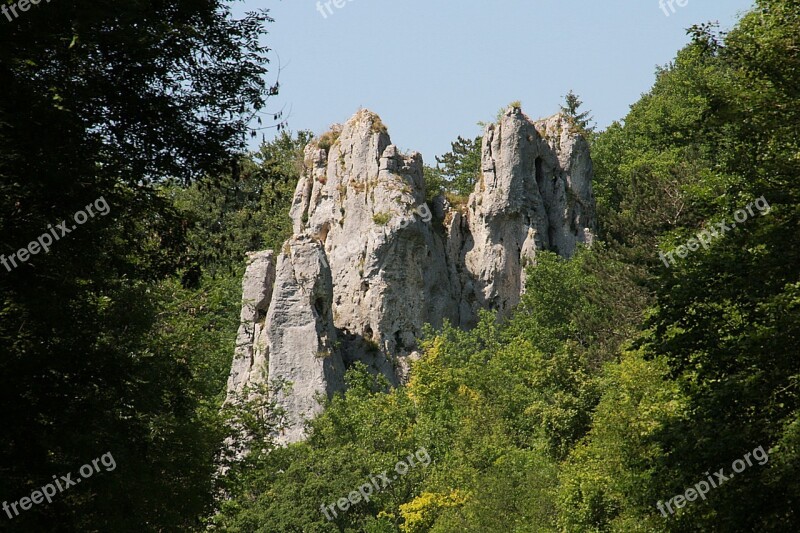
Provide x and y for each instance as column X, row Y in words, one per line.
column 432, row 69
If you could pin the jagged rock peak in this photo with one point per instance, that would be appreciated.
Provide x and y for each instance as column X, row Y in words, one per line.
column 364, row 201
column 369, row 265
column 534, row 193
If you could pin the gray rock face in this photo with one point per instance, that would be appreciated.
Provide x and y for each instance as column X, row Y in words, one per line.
column 370, row 264
column 535, row 193
column 250, row 356
column 305, row 364
column 365, row 202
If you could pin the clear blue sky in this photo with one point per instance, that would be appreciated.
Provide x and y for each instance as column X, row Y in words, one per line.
column 432, row 68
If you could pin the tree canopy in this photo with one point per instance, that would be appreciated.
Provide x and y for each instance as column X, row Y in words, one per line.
column 619, row 382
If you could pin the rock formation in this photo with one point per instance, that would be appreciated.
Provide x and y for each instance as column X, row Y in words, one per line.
column 369, row 265
column 535, row 193
column 249, row 359
column 303, row 357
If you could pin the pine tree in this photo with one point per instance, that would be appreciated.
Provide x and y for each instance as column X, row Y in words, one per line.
column 572, row 109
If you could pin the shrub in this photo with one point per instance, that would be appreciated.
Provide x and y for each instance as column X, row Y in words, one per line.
column 382, row 218
column 327, row 139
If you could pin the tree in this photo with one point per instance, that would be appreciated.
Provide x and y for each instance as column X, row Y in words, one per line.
column 241, row 211
column 581, row 119
column 106, row 101
column 723, row 331
column 461, row 167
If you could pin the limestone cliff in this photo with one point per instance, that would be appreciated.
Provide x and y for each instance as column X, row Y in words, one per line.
column 369, row 264
column 535, row 193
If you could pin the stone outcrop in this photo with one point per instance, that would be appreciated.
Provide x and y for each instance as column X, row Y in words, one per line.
column 303, row 356
column 365, row 203
column 535, row 193
column 249, row 359
column 371, row 263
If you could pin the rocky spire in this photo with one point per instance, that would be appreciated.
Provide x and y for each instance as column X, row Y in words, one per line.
column 249, row 359
column 369, row 264
column 534, row 193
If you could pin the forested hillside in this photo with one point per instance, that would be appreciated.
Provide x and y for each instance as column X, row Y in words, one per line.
column 620, row 381
column 638, row 370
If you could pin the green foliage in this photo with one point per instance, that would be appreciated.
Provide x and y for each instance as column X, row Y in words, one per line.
column 362, row 432
column 605, row 482
column 327, row 139
column 616, row 383
column 435, row 182
column 513, row 494
column 243, row 211
column 106, row 99
column 460, row 168
column 381, row 218
column 581, row 119
column 724, row 328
